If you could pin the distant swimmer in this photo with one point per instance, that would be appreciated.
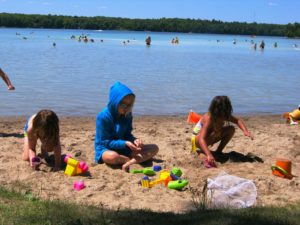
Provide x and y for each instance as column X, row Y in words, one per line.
column 54, row 44
column 254, row 46
column 262, row 45
column 275, row 45
column 148, row 41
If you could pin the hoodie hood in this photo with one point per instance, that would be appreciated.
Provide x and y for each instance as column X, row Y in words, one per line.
column 117, row 92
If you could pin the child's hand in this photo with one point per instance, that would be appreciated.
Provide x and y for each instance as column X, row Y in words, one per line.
column 210, row 159
column 133, row 147
column 138, row 143
column 248, row 134
column 11, row 88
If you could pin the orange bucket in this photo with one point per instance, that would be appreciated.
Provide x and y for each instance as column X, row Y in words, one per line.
column 193, row 117
column 283, row 168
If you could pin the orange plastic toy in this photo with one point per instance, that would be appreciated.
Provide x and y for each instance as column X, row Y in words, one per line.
column 193, row 117
column 283, row 168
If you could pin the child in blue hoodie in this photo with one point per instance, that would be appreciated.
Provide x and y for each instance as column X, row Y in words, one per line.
column 114, row 142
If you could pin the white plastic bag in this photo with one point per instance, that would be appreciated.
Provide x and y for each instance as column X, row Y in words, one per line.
column 231, row 191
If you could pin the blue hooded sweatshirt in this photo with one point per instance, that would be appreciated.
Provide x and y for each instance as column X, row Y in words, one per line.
column 112, row 129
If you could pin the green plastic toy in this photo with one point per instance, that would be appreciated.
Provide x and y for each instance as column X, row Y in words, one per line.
column 177, row 171
column 146, row 171
column 177, row 184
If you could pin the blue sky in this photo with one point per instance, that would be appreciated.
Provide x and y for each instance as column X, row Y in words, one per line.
column 260, row 11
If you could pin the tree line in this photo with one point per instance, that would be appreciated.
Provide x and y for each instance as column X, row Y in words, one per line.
column 159, row 25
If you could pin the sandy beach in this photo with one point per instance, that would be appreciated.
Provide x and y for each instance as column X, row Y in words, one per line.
column 113, row 188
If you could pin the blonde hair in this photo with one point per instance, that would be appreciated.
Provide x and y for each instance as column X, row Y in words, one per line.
column 46, row 127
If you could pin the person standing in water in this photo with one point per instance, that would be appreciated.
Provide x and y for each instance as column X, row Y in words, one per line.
column 6, row 80
column 148, row 41
column 262, row 45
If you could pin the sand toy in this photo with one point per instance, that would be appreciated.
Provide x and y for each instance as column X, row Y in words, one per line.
column 146, row 171
column 74, row 167
column 283, row 168
column 177, row 184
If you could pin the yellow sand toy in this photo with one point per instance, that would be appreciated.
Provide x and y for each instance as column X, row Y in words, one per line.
column 171, row 180
column 74, row 167
column 163, row 176
column 292, row 117
column 193, row 118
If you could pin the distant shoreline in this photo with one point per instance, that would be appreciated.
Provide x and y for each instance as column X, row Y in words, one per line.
column 159, row 25
column 137, row 116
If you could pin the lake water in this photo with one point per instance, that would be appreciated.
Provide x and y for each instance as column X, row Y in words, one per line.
column 74, row 77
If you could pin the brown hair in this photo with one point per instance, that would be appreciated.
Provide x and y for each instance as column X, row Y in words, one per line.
column 46, row 127
column 220, row 106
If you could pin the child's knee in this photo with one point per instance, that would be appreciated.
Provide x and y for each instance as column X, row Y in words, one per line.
column 155, row 149
column 231, row 130
column 110, row 157
column 25, row 156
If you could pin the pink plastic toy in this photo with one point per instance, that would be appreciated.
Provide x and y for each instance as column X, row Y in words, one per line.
column 83, row 166
column 66, row 158
column 36, row 161
column 78, row 185
column 208, row 164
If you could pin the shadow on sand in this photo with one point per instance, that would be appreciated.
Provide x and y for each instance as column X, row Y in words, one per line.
column 17, row 135
column 234, row 156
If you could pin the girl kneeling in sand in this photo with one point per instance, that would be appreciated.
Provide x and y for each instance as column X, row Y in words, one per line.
column 211, row 128
column 114, row 142
column 44, row 126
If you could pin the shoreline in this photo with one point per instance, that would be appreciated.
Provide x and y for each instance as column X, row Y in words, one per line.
column 114, row 188
column 180, row 115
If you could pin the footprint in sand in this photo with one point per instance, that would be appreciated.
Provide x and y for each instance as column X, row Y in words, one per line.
column 77, row 153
